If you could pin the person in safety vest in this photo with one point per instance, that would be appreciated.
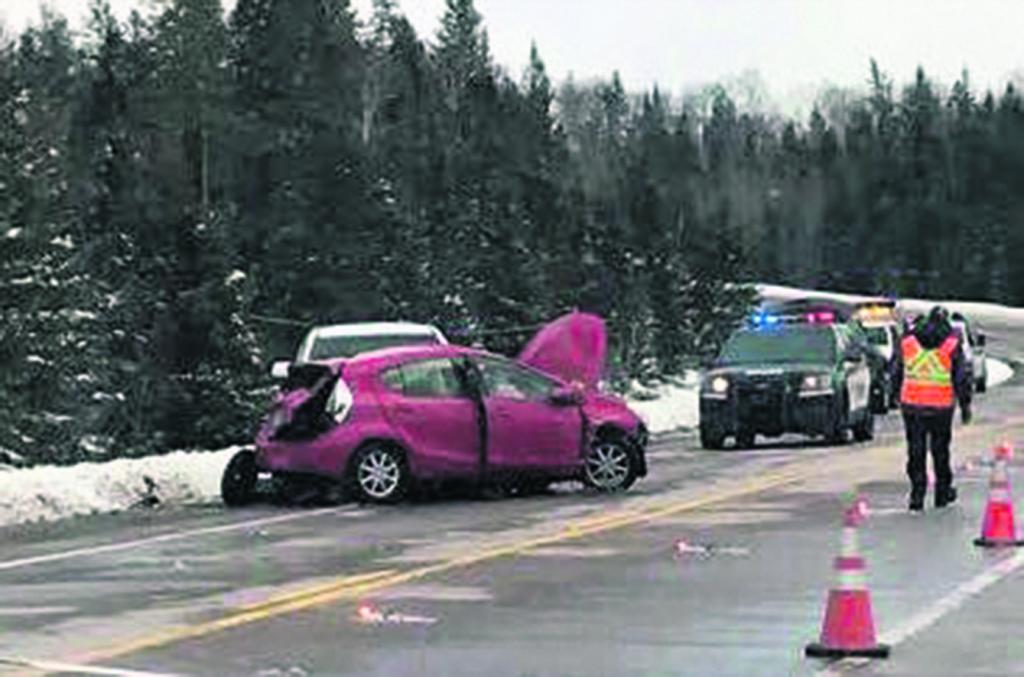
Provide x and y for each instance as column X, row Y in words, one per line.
column 931, row 375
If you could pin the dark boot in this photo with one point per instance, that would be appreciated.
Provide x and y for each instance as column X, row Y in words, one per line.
column 944, row 498
column 916, row 500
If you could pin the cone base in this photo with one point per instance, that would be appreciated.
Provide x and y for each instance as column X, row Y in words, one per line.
column 817, row 650
column 998, row 543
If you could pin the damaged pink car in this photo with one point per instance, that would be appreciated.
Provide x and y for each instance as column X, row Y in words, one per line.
column 385, row 421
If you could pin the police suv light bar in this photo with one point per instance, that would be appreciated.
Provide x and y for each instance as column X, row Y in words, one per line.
column 764, row 319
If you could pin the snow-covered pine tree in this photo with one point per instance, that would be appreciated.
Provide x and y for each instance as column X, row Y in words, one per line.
column 55, row 377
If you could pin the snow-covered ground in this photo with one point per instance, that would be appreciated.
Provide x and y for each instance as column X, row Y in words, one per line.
column 669, row 406
column 998, row 371
column 50, row 493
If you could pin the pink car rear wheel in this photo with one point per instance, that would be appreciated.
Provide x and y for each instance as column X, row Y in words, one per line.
column 238, row 483
column 380, row 474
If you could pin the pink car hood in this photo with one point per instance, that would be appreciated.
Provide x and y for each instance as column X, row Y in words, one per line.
column 573, row 348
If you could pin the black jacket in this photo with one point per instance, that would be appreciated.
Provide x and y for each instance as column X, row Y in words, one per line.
column 931, row 336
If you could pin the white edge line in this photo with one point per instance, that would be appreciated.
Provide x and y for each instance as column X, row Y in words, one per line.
column 929, row 615
column 54, row 666
column 163, row 538
column 935, row 611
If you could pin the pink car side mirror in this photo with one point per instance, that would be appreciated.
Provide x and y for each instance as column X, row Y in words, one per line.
column 566, row 396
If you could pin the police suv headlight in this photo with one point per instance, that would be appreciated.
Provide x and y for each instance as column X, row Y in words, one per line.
column 716, row 387
column 816, row 384
column 813, row 382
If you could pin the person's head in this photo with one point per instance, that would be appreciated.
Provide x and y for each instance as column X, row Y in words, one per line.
column 938, row 315
column 935, row 324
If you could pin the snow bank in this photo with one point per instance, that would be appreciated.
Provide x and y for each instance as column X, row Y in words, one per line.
column 998, row 371
column 669, row 406
column 48, row 493
column 977, row 311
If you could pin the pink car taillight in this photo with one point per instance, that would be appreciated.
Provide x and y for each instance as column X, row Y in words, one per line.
column 339, row 404
column 278, row 417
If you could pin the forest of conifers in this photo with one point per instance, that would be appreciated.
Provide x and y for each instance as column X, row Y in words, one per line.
column 180, row 194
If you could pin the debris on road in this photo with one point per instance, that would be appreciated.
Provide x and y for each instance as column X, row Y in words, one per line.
column 293, row 671
column 684, row 548
column 367, row 614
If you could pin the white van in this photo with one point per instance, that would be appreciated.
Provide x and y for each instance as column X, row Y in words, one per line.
column 346, row 340
column 974, row 351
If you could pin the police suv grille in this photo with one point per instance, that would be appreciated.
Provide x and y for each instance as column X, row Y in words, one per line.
column 762, row 395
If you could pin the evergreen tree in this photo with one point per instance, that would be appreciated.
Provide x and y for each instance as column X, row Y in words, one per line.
column 56, row 380
column 302, row 190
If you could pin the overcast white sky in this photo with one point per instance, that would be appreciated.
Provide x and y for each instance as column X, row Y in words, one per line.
column 794, row 44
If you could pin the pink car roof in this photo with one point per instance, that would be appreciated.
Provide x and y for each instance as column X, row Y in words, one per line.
column 571, row 349
column 383, row 357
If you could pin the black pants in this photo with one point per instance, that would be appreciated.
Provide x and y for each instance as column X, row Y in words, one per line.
column 924, row 430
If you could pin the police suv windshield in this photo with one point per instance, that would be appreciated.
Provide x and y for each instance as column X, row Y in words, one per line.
column 787, row 345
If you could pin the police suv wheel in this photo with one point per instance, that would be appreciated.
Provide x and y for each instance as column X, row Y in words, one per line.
column 840, row 417
column 879, row 401
column 865, row 428
column 745, row 440
column 710, row 439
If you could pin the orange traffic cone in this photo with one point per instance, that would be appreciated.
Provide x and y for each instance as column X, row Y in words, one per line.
column 998, row 527
column 849, row 628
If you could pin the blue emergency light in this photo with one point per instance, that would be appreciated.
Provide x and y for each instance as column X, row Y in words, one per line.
column 763, row 319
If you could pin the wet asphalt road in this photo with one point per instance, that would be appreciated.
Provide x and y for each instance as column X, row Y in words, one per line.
column 569, row 583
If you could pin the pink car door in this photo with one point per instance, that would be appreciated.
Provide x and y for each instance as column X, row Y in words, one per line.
column 524, row 429
column 437, row 421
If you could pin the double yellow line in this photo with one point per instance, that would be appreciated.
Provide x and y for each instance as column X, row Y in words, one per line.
column 353, row 587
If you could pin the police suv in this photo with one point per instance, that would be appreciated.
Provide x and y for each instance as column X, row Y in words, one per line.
column 860, row 318
column 881, row 325
column 788, row 374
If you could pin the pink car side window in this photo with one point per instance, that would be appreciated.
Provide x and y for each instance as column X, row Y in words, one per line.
column 514, row 382
column 423, row 378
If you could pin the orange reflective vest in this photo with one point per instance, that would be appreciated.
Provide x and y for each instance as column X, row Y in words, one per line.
column 928, row 374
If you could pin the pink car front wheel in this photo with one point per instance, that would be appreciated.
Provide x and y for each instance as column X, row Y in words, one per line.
column 610, row 465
